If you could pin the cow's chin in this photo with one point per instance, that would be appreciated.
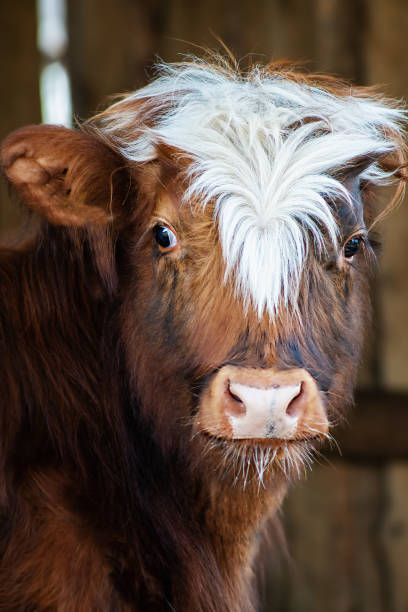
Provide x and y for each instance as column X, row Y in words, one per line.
column 257, row 462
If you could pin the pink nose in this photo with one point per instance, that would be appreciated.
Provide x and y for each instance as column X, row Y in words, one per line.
column 265, row 411
column 243, row 403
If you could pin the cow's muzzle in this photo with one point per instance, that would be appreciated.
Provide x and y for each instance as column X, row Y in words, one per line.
column 245, row 403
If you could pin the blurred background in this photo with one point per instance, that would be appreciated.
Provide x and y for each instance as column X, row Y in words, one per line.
column 347, row 524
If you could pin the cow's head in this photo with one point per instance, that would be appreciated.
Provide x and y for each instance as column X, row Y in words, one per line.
column 238, row 216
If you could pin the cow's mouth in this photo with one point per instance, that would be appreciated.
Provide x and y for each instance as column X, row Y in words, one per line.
column 272, row 443
column 254, row 461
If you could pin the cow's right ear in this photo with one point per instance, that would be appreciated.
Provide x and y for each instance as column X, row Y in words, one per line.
column 69, row 177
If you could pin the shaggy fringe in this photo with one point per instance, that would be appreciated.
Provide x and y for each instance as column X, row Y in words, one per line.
column 265, row 149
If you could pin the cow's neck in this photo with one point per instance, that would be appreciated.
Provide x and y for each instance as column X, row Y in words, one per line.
column 201, row 513
column 234, row 516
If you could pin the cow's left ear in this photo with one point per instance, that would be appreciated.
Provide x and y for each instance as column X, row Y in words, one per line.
column 69, row 177
column 350, row 175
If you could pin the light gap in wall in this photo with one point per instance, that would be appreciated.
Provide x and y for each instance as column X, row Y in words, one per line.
column 55, row 86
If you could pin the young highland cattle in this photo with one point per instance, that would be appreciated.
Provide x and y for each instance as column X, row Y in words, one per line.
column 182, row 330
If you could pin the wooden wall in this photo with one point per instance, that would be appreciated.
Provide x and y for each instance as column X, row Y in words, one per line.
column 347, row 526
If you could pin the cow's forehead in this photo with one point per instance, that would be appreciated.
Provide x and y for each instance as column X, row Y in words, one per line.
column 265, row 151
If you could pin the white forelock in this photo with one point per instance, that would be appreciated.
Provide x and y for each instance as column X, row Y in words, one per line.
column 265, row 151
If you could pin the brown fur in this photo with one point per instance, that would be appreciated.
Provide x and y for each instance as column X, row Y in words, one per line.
column 110, row 500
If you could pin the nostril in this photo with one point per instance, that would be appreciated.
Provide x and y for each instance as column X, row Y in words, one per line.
column 235, row 397
column 235, row 405
column 294, row 407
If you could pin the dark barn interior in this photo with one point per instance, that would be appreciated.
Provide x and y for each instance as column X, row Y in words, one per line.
column 346, row 524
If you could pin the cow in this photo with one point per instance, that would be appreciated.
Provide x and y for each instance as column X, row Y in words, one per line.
column 182, row 329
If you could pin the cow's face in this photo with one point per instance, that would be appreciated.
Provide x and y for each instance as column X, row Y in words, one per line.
column 253, row 264
column 207, row 362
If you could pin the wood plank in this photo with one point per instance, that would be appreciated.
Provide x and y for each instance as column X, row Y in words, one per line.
column 395, row 535
column 385, row 58
column 347, row 536
column 331, row 523
column 19, row 69
column 272, row 31
column 376, row 429
column 338, row 48
column 111, row 45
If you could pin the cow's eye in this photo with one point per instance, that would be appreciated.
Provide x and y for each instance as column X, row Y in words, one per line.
column 351, row 247
column 165, row 237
